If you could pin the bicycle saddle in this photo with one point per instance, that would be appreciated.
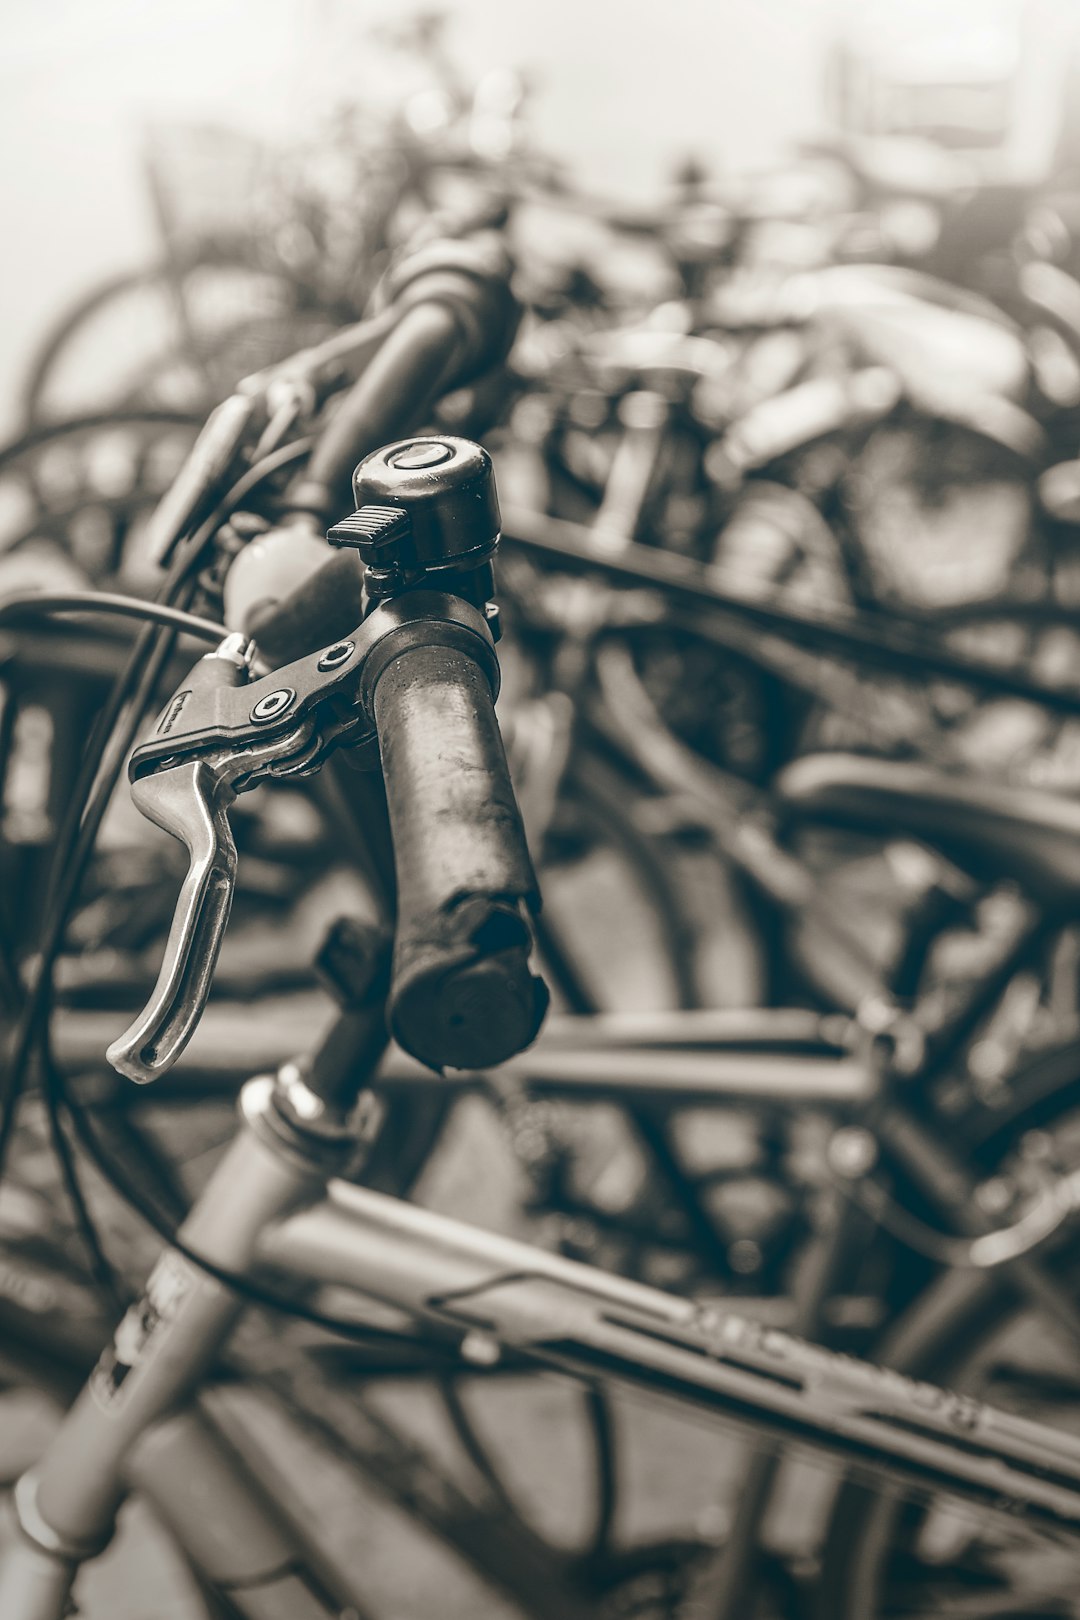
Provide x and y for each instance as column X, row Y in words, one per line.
column 989, row 829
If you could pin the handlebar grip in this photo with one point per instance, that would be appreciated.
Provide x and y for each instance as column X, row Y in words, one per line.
column 462, row 994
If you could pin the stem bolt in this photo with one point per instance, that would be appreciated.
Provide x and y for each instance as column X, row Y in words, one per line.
column 339, row 653
column 273, row 704
column 852, row 1152
column 480, row 1348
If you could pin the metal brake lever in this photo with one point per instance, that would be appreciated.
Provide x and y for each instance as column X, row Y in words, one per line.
column 414, row 527
column 221, row 733
column 191, row 801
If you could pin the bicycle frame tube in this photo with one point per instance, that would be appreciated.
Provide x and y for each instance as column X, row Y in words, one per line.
column 885, row 641
column 744, row 1057
column 160, row 1352
column 135, row 1426
column 487, row 1291
column 590, row 1323
column 757, row 1057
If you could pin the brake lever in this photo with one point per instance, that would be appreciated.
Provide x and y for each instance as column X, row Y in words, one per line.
column 427, row 514
column 212, row 457
column 222, row 733
column 190, row 801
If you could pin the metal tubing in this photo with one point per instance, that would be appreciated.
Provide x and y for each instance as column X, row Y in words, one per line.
column 645, row 416
column 594, row 1325
column 701, row 1076
column 772, row 1028
column 34, row 1584
column 667, row 1057
column 727, row 1593
column 228, row 1524
column 887, row 641
column 166, row 1341
column 393, row 390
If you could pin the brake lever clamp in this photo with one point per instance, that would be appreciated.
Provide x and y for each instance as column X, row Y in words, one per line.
column 221, row 734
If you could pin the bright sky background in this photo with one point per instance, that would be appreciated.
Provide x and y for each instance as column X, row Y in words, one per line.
column 623, row 88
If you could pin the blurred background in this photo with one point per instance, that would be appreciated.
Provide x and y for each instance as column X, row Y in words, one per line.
column 616, row 94
column 620, row 92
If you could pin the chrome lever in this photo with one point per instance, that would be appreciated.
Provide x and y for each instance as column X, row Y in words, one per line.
column 191, row 801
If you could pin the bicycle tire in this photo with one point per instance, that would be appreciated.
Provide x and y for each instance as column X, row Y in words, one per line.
column 865, row 1544
column 603, row 798
column 167, row 277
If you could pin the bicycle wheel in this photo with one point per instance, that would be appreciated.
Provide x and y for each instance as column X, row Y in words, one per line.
column 164, row 334
column 75, row 494
column 597, row 842
column 883, row 1556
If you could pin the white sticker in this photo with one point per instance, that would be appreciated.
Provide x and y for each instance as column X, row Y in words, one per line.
column 142, row 1330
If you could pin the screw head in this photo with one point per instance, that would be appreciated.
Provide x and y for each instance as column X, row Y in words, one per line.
column 745, row 1256
column 853, row 1152
column 421, row 454
column 480, row 1348
column 338, row 654
column 273, row 704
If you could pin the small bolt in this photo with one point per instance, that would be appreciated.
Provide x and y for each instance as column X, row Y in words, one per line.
column 339, row 653
column 273, row 704
column 852, row 1152
column 745, row 1257
column 480, row 1348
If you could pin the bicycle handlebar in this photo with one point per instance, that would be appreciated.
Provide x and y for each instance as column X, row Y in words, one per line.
column 449, row 315
column 418, row 677
column 458, row 318
column 462, row 994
